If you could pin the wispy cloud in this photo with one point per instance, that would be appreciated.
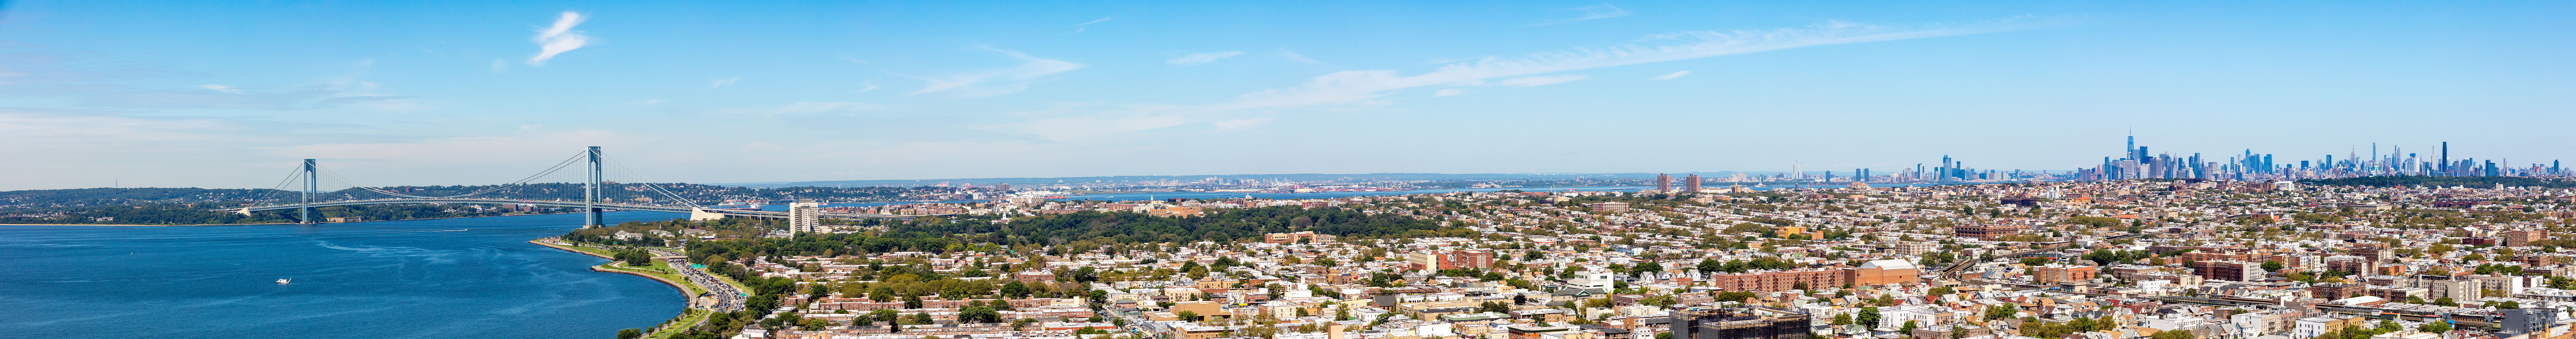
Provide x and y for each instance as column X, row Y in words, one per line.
column 1361, row 85
column 1544, row 80
column 220, row 88
column 1237, row 125
column 865, row 86
column 1195, row 59
column 1670, row 76
column 805, row 108
column 560, row 37
column 720, row 83
column 1077, row 28
column 1601, row 11
column 1292, row 55
column 998, row 81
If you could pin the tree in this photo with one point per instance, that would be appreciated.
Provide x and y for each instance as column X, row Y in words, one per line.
column 1016, row 290
column 882, row 294
column 2272, row 265
column 978, row 315
column 887, row 316
column 2000, row 312
column 630, row 333
column 1957, row 332
column 1908, row 328
column 2435, row 327
column 1663, row 335
column 1489, row 306
column 1841, row 319
column 1191, row 316
column 2445, row 301
column 922, row 318
column 1868, row 316
column 2174, row 334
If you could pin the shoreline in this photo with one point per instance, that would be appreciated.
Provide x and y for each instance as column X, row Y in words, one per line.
column 688, row 308
column 683, row 289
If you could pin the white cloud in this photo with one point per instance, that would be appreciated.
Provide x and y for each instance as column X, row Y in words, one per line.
column 1361, row 85
column 1670, row 76
column 1543, row 80
column 1007, row 80
column 1237, row 125
column 865, row 86
column 1448, row 92
column 560, row 38
column 1364, row 87
column 720, row 83
column 220, row 88
column 831, row 106
column 1291, row 55
column 1195, row 59
column 1601, row 11
column 1096, row 21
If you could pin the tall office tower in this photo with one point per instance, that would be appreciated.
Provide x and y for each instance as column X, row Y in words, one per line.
column 2446, row 158
column 1945, row 163
column 2130, row 151
column 1797, row 170
column 1690, row 184
column 1663, row 182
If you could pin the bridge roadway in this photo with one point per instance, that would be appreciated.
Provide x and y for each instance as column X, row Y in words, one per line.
column 695, row 213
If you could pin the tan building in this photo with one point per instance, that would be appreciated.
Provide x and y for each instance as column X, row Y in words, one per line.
column 1884, row 272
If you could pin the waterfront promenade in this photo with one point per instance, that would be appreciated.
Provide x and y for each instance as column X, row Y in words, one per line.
column 706, row 292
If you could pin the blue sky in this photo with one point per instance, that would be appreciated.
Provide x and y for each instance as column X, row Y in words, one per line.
column 230, row 94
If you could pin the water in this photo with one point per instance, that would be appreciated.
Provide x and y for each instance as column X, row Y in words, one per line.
column 384, row 279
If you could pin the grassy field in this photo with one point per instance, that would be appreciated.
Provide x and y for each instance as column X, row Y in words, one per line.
column 681, row 325
column 663, row 272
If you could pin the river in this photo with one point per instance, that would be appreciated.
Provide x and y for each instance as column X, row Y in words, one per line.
column 437, row 278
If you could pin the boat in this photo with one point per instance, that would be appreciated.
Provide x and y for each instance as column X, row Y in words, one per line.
column 282, row 281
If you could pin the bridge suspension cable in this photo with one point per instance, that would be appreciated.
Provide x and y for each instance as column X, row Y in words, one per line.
column 281, row 184
column 648, row 184
column 558, row 167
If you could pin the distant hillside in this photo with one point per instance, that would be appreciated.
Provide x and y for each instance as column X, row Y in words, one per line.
column 1308, row 177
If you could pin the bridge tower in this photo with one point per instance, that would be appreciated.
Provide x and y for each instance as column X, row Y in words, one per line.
column 306, row 209
column 590, row 193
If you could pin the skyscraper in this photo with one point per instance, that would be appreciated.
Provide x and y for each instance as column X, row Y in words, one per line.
column 1663, row 182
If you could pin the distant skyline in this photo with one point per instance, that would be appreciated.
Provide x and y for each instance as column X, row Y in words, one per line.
column 233, row 94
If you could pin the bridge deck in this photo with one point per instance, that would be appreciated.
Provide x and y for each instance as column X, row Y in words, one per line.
column 673, row 209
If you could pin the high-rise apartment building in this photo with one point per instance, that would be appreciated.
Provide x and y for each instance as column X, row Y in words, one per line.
column 1690, row 184
column 1663, row 182
column 1738, row 322
column 804, row 216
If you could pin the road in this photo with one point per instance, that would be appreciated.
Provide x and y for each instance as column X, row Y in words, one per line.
column 728, row 297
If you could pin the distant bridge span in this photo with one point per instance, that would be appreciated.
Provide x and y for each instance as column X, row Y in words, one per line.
column 694, row 213
column 590, row 204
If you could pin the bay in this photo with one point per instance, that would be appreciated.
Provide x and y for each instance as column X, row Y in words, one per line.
column 437, row 278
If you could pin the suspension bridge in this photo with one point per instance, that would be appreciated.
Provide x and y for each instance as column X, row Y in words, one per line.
column 590, row 205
